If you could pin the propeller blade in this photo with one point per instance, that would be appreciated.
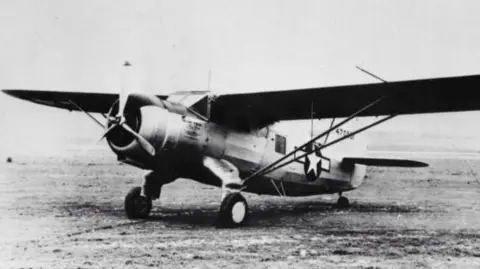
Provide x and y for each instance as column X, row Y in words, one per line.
column 120, row 121
column 142, row 141
column 126, row 88
column 122, row 103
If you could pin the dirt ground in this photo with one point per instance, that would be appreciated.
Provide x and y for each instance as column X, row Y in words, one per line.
column 67, row 212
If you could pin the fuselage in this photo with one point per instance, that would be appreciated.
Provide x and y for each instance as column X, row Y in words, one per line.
column 184, row 140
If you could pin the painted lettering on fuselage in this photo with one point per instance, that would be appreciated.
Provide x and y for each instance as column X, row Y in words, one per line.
column 192, row 129
column 342, row 132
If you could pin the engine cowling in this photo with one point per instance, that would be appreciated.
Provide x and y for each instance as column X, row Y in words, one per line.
column 123, row 142
column 170, row 130
column 168, row 127
column 181, row 135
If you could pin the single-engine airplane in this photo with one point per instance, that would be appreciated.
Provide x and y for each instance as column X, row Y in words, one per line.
column 229, row 140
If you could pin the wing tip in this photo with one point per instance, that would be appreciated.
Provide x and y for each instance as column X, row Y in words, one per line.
column 8, row 91
column 421, row 164
column 13, row 92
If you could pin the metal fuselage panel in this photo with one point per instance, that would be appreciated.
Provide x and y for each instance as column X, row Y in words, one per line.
column 250, row 152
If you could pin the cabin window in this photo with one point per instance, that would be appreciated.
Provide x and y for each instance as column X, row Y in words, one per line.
column 280, row 144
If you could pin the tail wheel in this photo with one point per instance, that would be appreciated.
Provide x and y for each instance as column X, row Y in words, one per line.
column 136, row 205
column 233, row 211
column 343, row 202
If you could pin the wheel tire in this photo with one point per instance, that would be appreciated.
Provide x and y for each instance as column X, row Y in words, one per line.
column 136, row 205
column 233, row 211
column 343, row 202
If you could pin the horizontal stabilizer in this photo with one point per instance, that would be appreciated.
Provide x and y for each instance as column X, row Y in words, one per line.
column 385, row 162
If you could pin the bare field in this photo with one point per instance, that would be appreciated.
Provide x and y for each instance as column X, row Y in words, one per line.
column 67, row 212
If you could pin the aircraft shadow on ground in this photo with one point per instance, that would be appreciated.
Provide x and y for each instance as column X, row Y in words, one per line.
column 267, row 214
column 270, row 214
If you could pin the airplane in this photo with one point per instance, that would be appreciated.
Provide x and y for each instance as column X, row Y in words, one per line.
column 230, row 141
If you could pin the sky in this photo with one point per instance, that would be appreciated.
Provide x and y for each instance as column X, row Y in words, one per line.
column 246, row 46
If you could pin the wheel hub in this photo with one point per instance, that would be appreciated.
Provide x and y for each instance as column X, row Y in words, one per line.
column 239, row 211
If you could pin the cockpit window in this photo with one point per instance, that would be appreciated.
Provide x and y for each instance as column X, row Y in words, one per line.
column 198, row 101
column 202, row 107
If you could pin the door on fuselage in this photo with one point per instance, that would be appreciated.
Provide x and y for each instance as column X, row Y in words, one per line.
column 276, row 147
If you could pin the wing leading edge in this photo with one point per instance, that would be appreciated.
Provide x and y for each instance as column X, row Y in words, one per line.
column 255, row 110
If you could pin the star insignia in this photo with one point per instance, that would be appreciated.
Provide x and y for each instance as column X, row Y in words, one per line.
column 314, row 164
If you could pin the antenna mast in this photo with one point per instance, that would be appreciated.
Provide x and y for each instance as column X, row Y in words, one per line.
column 209, row 78
column 370, row 74
column 312, row 115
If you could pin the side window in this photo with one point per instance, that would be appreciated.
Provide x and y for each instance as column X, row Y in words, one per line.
column 280, row 144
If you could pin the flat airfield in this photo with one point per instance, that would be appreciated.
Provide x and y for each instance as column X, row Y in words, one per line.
column 66, row 211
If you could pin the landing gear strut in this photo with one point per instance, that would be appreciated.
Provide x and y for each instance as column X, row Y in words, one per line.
column 342, row 201
column 138, row 202
column 233, row 211
column 136, row 205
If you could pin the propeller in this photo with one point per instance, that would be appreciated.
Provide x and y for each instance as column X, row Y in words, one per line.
column 119, row 121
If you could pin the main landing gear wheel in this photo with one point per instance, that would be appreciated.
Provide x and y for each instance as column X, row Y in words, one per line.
column 233, row 211
column 136, row 205
column 343, row 202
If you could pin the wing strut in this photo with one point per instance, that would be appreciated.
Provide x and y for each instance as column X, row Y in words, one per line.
column 282, row 194
column 88, row 114
column 268, row 167
column 326, row 137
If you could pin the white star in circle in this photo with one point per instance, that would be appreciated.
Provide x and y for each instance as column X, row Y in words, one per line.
column 313, row 164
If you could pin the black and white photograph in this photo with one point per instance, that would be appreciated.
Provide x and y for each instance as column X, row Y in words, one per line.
column 239, row 134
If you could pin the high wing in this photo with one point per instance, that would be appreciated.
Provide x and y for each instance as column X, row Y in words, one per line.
column 249, row 111
column 90, row 102
column 256, row 110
